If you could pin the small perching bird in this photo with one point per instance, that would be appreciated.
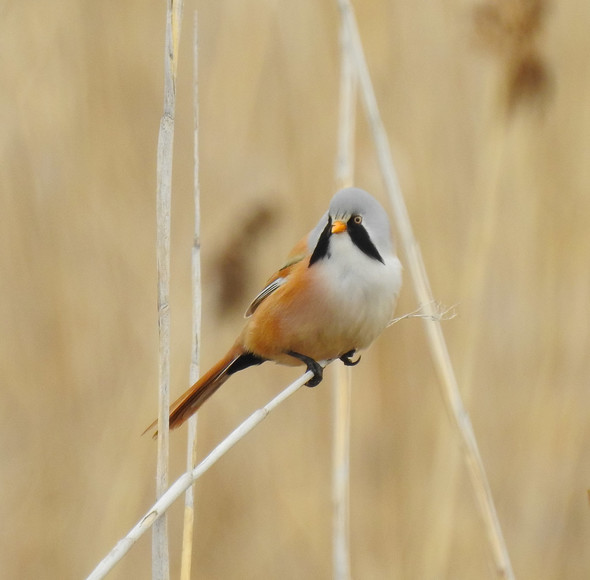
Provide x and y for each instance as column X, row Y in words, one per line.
column 334, row 296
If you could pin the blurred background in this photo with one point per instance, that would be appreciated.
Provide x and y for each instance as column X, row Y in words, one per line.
column 487, row 109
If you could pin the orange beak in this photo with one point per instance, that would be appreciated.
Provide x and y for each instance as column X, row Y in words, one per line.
column 338, row 227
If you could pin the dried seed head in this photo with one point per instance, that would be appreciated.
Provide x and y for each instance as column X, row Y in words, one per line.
column 510, row 29
column 234, row 260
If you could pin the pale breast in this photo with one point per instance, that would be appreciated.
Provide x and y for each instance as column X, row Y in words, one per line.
column 345, row 303
column 363, row 292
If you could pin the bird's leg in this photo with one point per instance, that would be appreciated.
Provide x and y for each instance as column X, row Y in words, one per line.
column 345, row 358
column 312, row 366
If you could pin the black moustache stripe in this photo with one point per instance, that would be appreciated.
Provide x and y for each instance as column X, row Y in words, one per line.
column 360, row 238
column 321, row 248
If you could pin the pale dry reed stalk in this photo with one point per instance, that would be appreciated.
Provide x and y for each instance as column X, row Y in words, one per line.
column 160, row 558
column 191, row 450
column 185, row 481
column 508, row 31
column 342, row 376
column 436, row 341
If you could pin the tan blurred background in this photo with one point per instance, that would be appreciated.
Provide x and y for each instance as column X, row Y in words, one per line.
column 487, row 109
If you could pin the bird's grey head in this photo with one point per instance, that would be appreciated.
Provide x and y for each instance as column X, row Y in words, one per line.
column 351, row 202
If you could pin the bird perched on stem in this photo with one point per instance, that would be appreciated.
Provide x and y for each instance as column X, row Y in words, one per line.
column 334, row 295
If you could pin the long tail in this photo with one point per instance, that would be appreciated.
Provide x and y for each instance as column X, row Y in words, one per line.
column 190, row 402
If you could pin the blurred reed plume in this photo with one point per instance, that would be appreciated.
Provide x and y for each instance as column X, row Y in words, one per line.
column 511, row 30
column 234, row 261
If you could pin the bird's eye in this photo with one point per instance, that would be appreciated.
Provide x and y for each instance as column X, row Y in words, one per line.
column 357, row 219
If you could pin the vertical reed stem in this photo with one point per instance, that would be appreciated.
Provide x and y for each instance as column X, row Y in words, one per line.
column 191, row 459
column 160, row 558
column 342, row 376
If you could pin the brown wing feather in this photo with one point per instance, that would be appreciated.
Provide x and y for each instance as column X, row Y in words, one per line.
column 298, row 253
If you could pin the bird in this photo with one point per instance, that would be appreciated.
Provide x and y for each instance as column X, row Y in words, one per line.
column 332, row 297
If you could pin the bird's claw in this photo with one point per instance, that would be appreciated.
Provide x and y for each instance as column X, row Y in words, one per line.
column 318, row 374
column 346, row 358
column 312, row 365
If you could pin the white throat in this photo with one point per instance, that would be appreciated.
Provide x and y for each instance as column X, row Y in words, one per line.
column 362, row 290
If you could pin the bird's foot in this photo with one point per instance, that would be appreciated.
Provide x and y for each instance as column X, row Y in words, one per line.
column 347, row 356
column 312, row 365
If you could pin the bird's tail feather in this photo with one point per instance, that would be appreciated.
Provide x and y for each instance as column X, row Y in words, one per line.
column 188, row 403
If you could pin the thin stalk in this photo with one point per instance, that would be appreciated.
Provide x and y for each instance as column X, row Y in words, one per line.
column 191, row 459
column 341, row 474
column 342, row 377
column 160, row 558
column 438, row 348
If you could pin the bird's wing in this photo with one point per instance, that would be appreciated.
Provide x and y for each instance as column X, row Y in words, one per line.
column 297, row 254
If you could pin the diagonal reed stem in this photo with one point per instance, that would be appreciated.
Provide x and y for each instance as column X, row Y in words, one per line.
column 157, row 511
column 438, row 348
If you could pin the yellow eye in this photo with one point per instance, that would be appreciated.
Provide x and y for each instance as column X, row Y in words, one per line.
column 358, row 220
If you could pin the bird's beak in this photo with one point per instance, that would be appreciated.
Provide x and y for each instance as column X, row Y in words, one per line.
column 338, row 227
